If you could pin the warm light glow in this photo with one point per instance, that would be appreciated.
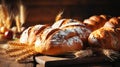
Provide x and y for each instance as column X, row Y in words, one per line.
column 22, row 14
column 4, row 17
column 18, row 24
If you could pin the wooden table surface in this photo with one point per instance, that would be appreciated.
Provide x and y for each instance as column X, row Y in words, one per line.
column 49, row 61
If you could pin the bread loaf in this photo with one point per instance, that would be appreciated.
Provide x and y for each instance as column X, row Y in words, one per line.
column 59, row 42
column 114, row 22
column 65, row 37
column 105, row 37
column 95, row 22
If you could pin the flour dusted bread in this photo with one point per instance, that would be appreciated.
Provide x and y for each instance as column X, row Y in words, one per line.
column 66, row 37
column 76, row 25
column 59, row 42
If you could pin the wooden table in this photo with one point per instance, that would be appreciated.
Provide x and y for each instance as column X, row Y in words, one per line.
column 49, row 61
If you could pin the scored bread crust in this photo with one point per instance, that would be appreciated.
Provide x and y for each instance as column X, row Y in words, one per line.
column 66, row 35
column 60, row 41
column 67, row 38
column 29, row 35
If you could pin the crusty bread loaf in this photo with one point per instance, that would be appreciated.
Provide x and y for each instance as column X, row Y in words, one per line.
column 95, row 22
column 105, row 37
column 60, row 41
column 114, row 22
column 65, row 35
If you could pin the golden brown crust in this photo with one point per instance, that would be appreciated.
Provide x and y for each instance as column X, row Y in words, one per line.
column 60, row 42
column 64, row 22
column 114, row 22
column 95, row 22
column 68, row 37
column 37, row 29
column 105, row 37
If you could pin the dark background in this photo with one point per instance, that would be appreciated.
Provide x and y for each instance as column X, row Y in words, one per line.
column 45, row 11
